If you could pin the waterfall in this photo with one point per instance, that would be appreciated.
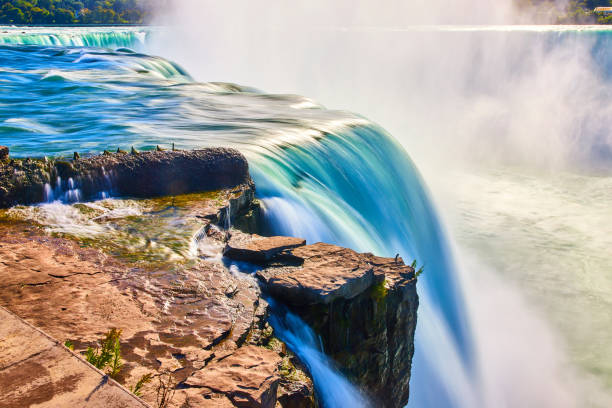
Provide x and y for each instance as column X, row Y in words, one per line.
column 331, row 388
column 332, row 176
column 75, row 37
column 361, row 188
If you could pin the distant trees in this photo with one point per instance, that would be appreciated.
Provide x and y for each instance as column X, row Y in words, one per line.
column 64, row 12
column 568, row 12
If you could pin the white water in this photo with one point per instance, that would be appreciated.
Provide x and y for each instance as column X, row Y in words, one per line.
column 532, row 97
column 332, row 389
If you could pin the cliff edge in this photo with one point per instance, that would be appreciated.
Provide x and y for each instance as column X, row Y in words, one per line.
column 182, row 273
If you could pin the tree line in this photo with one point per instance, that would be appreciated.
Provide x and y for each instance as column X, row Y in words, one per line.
column 67, row 12
column 567, row 12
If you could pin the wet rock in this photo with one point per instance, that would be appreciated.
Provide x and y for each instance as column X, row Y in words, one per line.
column 4, row 153
column 248, row 378
column 294, row 394
column 257, row 249
column 147, row 174
column 204, row 323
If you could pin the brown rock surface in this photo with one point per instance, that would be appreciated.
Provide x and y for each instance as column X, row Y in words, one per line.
column 327, row 272
column 198, row 319
column 258, row 249
column 176, row 317
column 248, row 378
column 38, row 370
column 4, row 152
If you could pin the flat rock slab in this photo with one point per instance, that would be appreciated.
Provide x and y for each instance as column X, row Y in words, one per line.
column 248, row 378
column 37, row 370
column 327, row 272
column 257, row 249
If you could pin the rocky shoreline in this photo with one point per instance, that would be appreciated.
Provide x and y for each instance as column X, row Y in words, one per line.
column 200, row 318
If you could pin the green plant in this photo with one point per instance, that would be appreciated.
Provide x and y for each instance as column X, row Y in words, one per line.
column 419, row 271
column 137, row 389
column 109, row 354
column 116, row 363
column 69, row 345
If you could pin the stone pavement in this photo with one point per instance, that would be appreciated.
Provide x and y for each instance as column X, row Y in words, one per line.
column 36, row 369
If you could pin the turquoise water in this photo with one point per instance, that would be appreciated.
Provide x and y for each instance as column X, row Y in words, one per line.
column 335, row 169
column 336, row 176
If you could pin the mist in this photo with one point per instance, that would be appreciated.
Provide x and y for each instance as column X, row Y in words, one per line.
column 447, row 93
column 456, row 95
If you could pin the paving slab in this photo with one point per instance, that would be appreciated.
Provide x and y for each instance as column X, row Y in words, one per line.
column 37, row 370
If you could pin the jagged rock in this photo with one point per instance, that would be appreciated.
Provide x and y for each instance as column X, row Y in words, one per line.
column 294, row 394
column 363, row 307
column 248, row 378
column 257, row 249
column 4, row 153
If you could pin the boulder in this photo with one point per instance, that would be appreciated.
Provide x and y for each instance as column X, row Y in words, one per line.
column 362, row 306
column 4, row 153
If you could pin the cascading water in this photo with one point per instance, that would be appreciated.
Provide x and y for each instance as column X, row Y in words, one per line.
column 331, row 388
column 361, row 185
column 322, row 175
column 333, row 168
column 75, row 37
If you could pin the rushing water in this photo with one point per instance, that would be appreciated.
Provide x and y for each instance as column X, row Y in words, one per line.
column 337, row 177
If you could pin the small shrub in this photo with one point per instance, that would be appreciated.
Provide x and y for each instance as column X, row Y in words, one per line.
column 379, row 291
column 69, row 345
column 419, row 271
column 109, row 354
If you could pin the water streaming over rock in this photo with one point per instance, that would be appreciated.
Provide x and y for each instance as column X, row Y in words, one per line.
column 322, row 175
column 331, row 388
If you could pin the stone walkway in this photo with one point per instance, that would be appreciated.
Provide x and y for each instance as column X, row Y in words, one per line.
column 36, row 369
